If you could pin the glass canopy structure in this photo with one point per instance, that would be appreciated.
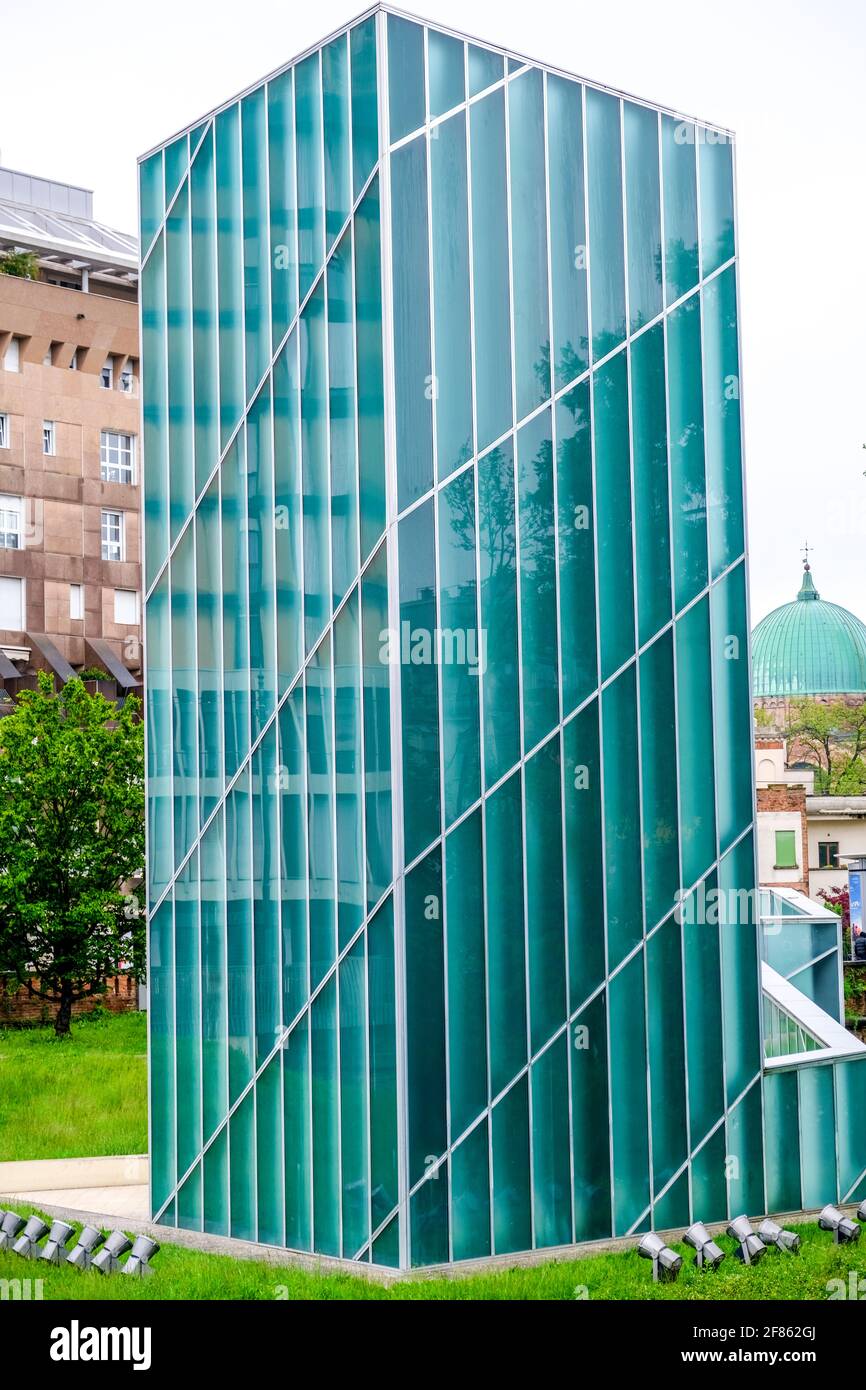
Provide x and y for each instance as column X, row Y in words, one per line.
column 447, row 662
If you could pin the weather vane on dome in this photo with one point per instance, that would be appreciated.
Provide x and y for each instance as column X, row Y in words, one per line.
column 807, row 549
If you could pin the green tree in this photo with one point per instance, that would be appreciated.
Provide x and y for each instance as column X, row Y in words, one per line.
column 24, row 264
column 71, row 836
column 834, row 739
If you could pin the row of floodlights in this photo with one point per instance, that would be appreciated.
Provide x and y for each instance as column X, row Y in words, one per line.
column 751, row 1245
column 85, row 1254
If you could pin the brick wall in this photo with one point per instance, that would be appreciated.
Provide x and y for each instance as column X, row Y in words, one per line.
column 21, row 1007
column 780, row 797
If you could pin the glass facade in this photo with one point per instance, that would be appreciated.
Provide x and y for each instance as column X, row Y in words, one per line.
column 447, row 662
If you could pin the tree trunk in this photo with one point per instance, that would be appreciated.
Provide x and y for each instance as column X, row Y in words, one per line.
column 64, row 1013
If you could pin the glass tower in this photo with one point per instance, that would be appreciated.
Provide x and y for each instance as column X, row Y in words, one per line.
column 447, row 661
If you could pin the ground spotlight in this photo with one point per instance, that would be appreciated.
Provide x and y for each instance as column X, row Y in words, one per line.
column 9, row 1229
column 143, row 1250
column 788, row 1242
column 26, row 1243
column 53, row 1250
column 750, row 1249
column 861, row 1212
column 82, row 1254
column 843, row 1228
column 108, row 1259
column 666, row 1262
column 707, row 1253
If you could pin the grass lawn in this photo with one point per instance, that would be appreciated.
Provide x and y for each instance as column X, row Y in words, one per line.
column 70, row 1099
column 185, row 1274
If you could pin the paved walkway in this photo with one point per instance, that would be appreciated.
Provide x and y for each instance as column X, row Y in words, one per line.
column 130, row 1203
column 114, row 1186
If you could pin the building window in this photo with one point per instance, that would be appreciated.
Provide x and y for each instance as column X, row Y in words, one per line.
column 76, row 601
column 112, row 535
column 73, row 365
column 828, row 854
column 12, row 359
column 117, row 457
column 11, row 603
column 126, row 605
column 4, row 431
column 106, row 376
column 127, row 377
column 49, row 438
column 786, row 849
column 10, row 523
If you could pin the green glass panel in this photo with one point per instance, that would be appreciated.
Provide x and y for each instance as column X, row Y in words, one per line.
column 214, row 978
column 320, row 812
column 377, row 730
column 262, row 583
column 176, row 165
column 257, row 278
column 659, row 788
column 204, row 311
column 671, row 1211
column 293, row 853
column 604, row 176
column 551, row 1160
column 371, row 409
column 354, row 1163
column 383, row 1062
column 425, row 1015
column 242, row 1169
column 851, row 1112
column 326, row 1121
column 288, row 562
column 568, row 257
column 266, row 894
column 216, row 1186
column 716, row 160
column 538, row 628
column 622, row 835
column 229, row 270
column 158, row 733
column 458, row 616
column 703, row 1013
column 695, row 726
column 529, row 240
column 308, row 138
column 490, row 269
column 498, row 568
column 680, row 206
column 161, row 984
column 341, row 421
column 314, row 456
column 386, row 1246
column 418, row 658
column 406, row 95
column 544, row 894
column 451, row 299
column 782, row 1141
column 745, row 1144
column 283, row 204
column 686, row 435
column 151, row 198
column 584, row 866
column 411, row 288
column 335, row 103
column 590, row 1122
column 428, row 1212
column 467, row 1012
column 577, row 629
column 188, row 1005
column 643, row 212
column 179, row 359
column 722, row 439
column 297, row 1140
column 512, row 1197
column 365, row 115
column 650, row 470
column 154, row 410
column 185, row 695
column 667, row 1061
column 740, row 968
column 485, row 68
column 817, row 1135
column 236, row 675
column 445, row 66
column 709, row 1189
column 270, row 1192
column 506, row 943
column 348, row 766
column 628, row 1089
column 470, row 1195
column 239, row 937
column 613, row 514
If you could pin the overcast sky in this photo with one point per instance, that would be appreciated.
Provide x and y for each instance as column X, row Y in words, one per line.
column 82, row 95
